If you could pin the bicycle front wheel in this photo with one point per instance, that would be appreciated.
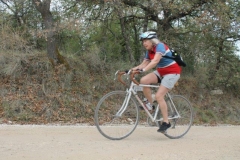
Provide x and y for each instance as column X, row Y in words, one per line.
column 181, row 117
column 115, row 117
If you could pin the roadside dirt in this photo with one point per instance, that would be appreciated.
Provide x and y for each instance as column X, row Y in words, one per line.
column 38, row 142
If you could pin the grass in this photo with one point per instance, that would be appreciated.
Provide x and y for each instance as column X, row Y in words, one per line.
column 33, row 92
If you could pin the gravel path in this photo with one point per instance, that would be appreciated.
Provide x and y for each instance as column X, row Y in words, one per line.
column 39, row 142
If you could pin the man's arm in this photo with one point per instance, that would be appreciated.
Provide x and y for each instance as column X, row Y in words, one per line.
column 153, row 62
column 142, row 65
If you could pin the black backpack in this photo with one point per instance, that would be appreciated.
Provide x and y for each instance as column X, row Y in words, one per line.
column 177, row 57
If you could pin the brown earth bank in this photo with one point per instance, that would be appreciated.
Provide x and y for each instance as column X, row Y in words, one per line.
column 28, row 142
column 34, row 92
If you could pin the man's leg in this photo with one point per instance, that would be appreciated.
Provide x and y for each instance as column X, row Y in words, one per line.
column 148, row 79
column 162, row 103
column 167, row 83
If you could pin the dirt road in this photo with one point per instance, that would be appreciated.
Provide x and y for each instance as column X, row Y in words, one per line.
column 85, row 143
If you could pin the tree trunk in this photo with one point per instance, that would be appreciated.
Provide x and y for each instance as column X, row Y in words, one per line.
column 127, row 43
column 51, row 36
column 50, row 32
column 124, row 32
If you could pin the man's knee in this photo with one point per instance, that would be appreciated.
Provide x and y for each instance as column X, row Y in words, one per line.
column 144, row 80
column 159, row 97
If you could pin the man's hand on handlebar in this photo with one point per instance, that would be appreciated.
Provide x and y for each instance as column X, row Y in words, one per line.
column 134, row 71
column 129, row 72
column 140, row 70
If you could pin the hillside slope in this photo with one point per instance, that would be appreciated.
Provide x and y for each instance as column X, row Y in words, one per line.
column 34, row 92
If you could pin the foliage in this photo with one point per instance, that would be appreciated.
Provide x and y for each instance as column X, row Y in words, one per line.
column 99, row 37
column 13, row 39
column 34, row 92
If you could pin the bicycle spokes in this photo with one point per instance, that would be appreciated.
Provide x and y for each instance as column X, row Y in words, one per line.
column 182, row 116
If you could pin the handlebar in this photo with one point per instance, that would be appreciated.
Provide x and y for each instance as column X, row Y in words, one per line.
column 132, row 76
column 119, row 77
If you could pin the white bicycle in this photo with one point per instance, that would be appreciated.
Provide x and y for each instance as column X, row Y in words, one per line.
column 117, row 113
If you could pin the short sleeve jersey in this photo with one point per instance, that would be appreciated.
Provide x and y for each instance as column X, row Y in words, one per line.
column 165, row 65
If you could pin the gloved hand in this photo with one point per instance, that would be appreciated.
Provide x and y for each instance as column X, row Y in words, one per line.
column 128, row 71
column 140, row 70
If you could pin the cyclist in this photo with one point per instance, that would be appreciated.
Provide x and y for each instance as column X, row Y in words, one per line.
column 166, row 68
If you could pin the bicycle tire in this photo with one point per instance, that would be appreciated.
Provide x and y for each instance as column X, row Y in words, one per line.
column 179, row 126
column 110, row 126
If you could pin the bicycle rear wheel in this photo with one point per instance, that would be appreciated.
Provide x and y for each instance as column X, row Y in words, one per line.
column 109, row 123
column 181, row 124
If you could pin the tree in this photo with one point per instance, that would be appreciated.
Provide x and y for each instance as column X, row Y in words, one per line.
column 119, row 10
column 50, row 31
column 19, row 10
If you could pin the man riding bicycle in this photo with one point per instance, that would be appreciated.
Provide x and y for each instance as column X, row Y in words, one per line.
column 167, row 72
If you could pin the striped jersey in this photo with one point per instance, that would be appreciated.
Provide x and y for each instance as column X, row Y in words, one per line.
column 165, row 65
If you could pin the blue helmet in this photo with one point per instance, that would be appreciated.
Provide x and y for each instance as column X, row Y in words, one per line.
column 148, row 35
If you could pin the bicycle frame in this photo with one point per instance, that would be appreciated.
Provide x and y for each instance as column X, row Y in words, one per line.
column 114, row 110
column 153, row 117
